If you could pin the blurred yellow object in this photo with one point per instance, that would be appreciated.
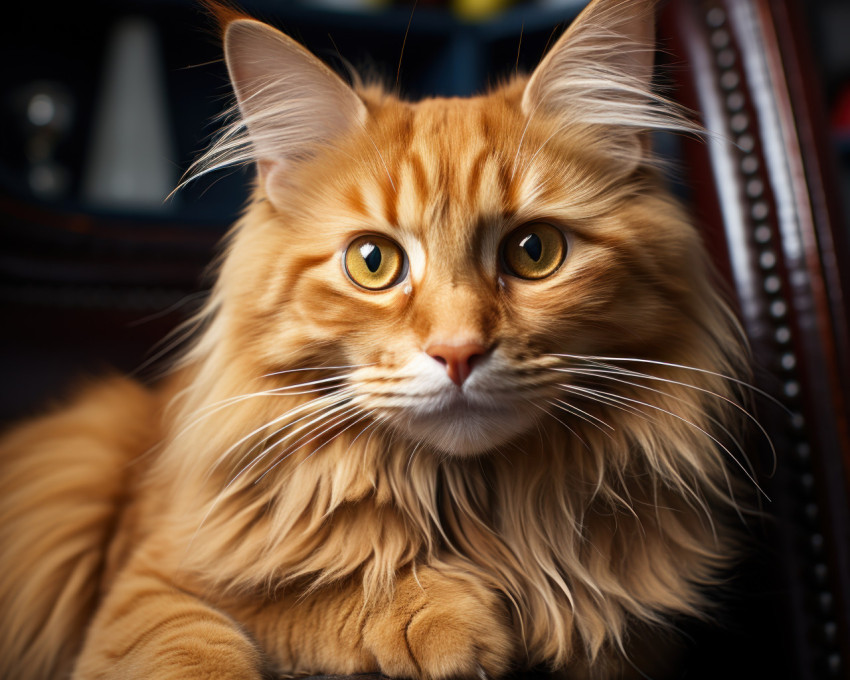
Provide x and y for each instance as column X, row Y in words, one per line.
column 476, row 10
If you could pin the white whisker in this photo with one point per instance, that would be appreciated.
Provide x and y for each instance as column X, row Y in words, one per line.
column 316, row 368
column 702, row 412
column 589, row 418
column 331, row 413
column 259, row 457
column 691, row 424
column 685, row 367
column 322, row 404
column 606, row 399
column 211, row 409
column 412, row 455
column 637, row 374
column 563, row 424
column 338, row 420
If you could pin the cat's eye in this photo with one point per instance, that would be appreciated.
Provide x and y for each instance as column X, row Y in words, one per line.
column 534, row 251
column 374, row 262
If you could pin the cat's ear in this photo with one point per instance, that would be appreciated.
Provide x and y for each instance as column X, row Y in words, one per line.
column 600, row 73
column 289, row 101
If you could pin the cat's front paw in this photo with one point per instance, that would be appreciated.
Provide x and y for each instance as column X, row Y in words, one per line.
column 439, row 626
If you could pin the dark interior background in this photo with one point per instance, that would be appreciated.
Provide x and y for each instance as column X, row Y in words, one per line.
column 88, row 285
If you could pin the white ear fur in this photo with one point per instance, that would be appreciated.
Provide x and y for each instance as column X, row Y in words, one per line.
column 600, row 73
column 288, row 102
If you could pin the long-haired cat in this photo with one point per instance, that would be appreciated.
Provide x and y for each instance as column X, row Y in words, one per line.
column 459, row 403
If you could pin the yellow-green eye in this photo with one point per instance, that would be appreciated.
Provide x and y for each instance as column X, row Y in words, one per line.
column 374, row 262
column 534, row 251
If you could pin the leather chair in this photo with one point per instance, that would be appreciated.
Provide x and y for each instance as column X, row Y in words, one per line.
column 766, row 197
column 73, row 285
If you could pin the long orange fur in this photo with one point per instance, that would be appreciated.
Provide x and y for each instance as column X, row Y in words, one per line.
column 265, row 509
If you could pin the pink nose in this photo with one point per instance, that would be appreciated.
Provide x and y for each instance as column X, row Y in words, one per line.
column 458, row 359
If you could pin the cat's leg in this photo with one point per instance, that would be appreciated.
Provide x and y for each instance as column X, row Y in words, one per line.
column 436, row 624
column 148, row 628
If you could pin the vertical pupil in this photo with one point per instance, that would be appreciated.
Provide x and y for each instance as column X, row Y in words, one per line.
column 371, row 255
column 533, row 246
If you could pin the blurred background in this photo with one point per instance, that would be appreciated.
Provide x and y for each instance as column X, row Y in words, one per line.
column 105, row 104
column 103, row 107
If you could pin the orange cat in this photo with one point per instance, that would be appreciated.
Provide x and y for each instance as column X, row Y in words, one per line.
column 457, row 404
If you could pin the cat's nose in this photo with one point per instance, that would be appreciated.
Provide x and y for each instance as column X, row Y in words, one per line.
column 458, row 359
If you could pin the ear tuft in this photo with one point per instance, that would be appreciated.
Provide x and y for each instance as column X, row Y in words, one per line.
column 599, row 73
column 288, row 102
column 222, row 13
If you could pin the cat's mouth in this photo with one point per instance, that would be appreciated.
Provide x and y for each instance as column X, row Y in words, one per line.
column 419, row 401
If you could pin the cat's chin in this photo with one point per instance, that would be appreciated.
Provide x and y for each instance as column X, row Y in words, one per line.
column 464, row 430
column 459, row 441
column 434, row 413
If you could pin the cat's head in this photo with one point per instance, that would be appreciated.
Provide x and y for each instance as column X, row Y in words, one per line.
column 454, row 257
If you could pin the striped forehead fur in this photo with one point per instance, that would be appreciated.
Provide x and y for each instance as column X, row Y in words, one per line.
column 581, row 86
